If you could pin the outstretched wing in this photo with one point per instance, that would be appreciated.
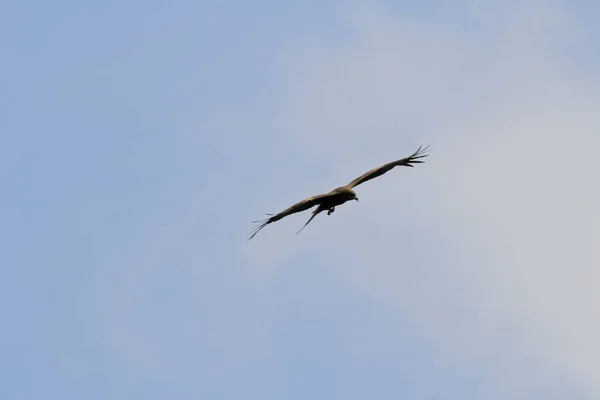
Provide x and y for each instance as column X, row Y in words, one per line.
column 407, row 162
column 300, row 206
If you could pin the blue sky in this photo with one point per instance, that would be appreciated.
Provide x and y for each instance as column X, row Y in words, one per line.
column 140, row 138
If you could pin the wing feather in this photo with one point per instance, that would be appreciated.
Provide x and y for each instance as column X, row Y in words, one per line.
column 300, row 206
column 414, row 158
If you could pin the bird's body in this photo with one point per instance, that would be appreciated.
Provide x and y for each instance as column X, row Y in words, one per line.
column 338, row 196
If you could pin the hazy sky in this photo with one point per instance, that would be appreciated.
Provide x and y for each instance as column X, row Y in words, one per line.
column 138, row 139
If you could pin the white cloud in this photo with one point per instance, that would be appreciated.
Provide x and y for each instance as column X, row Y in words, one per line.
column 491, row 248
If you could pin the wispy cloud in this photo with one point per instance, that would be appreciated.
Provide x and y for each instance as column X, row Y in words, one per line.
column 137, row 163
column 490, row 247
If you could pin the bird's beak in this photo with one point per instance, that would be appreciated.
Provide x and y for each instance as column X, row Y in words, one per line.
column 356, row 198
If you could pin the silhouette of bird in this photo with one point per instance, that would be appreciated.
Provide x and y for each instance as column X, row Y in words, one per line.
column 340, row 195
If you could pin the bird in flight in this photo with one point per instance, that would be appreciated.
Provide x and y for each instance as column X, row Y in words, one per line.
column 340, row 195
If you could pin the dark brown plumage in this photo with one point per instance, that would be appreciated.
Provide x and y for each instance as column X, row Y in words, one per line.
column 340, row 195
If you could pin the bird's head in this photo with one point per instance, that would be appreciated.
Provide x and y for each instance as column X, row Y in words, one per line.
column 353, row 195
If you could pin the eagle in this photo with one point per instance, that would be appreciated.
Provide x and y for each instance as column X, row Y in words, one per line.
column 338, row 196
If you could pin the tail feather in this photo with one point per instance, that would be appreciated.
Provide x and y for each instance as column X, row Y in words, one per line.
column 314, row 214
